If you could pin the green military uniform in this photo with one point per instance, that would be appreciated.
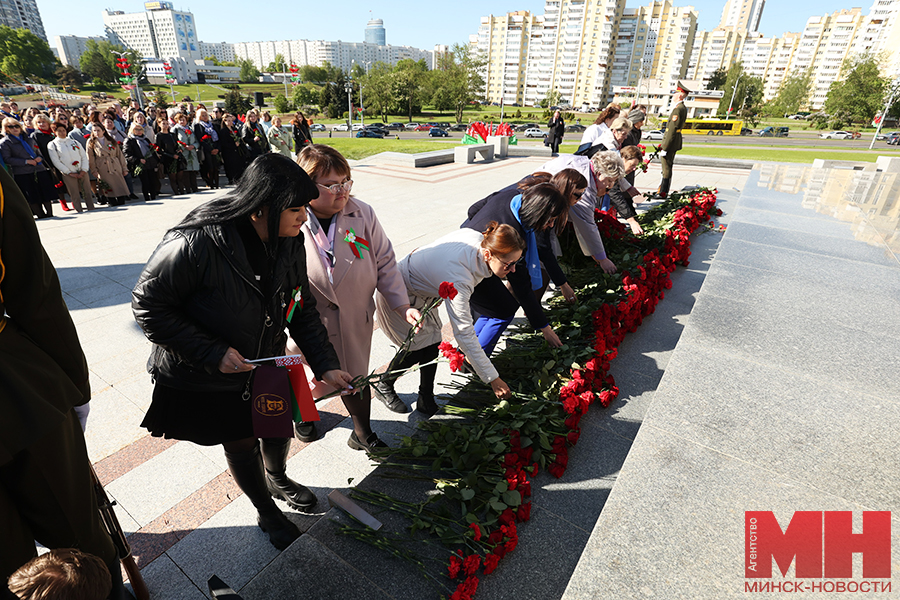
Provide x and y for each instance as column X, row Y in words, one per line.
column 46, row 492
column 671, row 142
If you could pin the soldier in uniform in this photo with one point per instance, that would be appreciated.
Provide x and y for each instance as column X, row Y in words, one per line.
column 671, row 142
column 46, row 493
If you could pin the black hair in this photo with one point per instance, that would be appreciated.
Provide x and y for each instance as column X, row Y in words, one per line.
column 272, row 180
column 541, row 204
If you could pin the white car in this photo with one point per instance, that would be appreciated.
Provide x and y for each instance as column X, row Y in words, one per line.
column 410, row 126
column 836, row 135
column 656, row 134
column 340, row 127
column 357, row 127
column 534, row 132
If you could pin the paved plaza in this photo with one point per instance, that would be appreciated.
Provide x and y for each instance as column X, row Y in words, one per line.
column 766, row 380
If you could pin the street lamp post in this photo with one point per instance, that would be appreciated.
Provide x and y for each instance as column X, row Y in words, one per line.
column 284, row 77
column 348, row 87
column 733, row 92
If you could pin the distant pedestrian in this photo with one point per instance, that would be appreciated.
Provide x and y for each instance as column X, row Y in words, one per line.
column 279, row 138
column 302, row 135
column 557, row 129
column 26, row 163
column 188, row 143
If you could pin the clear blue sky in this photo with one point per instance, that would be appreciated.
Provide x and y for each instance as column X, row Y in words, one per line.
column 405, row 22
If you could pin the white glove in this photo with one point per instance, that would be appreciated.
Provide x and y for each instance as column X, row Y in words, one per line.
column 662, row 153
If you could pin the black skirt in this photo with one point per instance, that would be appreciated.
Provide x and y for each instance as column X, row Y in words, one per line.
column 204, row 418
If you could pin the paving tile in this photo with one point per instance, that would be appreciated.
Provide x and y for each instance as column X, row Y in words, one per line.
column 165, row 580
column 158, row 484
column 113, row 423
column 302, row 569
column 230, row 545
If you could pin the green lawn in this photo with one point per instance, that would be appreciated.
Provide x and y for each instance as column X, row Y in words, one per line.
column 357, row 148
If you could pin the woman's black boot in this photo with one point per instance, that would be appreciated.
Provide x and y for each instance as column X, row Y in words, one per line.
column 427, row 373
column 275, row 452
column 247, row 470
column 384, row 390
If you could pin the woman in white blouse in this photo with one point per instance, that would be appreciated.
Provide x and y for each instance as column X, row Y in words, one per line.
column 71, row 161
column 463, row 258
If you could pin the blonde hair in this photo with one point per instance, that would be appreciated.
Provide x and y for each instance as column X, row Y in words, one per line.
column 7, row 121
column 318, row 160
column 609, row 164
column 135, row 125
column 621, row 124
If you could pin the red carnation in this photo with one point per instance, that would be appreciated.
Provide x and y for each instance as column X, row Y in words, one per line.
column 471, row 564
column 447, row 290
column 524, row 512
column 455, row 564
column 573, row 436
column 490, row 563
column 556, row 470
column 507, row 517
column 474, row 527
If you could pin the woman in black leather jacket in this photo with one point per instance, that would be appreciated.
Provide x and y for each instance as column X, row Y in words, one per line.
column 213, row 295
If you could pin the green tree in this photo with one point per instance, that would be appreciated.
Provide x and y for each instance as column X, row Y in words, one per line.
column 213, row 60
column 304, row 94
column 161, row 100
column 249, row 72
column 552, row 99
column 859, row 92
column 236, row 103
column 23, row 54
column 746, row 91
column 68, row 76
column 277, row 65
column 379, row 95
column 309, row 73
column 282, row 104
column 457, row 81
column 717, row 79
column 408, row 81
column 792, row 95
column 99, row 60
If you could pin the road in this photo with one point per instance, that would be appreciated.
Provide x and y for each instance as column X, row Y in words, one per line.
column 799, row 140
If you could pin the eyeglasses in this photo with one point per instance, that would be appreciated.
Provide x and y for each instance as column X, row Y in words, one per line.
column 337, row 188
column 507, row 266
column 578, row 194
column 14, row 127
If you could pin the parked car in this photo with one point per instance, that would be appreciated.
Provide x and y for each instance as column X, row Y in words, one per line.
column 410, row 126
column 458, row 127
column 884, row 135
column 836, row 135
column 797, row 117
column 746, row 131
column 394, row 126
column 358, row 127
column 369, row 133
column 655, row 134
column 377, row 127
column 894, row 139
column 575, row 128
column 534, row 132
column 340, row 127
column 423, row 127
column 317, row 127
column 774, row 132
column 436, row 124
column 437, row 132
column 527, row 126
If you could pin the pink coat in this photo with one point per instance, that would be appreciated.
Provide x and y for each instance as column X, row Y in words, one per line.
column 347, row 307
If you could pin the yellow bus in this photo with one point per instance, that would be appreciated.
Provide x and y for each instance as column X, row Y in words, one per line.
column 710, row 127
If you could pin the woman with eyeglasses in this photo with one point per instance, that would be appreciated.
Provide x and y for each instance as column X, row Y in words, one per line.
column 26, row 163
column 143, row 160
column 348, row 257
column 464, row 258
column 529, row 209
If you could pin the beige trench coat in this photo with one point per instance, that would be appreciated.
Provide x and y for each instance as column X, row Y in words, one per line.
column 347, row 306
column 108, row 163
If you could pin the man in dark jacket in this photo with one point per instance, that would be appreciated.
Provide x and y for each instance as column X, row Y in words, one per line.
column 671, row 142
column 46, row 493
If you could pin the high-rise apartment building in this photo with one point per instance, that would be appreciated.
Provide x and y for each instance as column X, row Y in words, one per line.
column 712, row 50
column 317, row 52
column 824, row 44
column 159, row 32
column 222, row 51
column 880, row 35
column 769, row 58
column 69, row 48
column 375, row 33
column 22, row 14
column 654, row 41
column 568, row 49
column 742, row 15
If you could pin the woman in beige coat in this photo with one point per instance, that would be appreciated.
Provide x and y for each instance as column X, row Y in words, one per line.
column 348, row 257
column 108, row 164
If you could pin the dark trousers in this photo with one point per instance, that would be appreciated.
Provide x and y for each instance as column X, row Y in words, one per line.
column 149, row 183
column 666, row 163
column 46, row 495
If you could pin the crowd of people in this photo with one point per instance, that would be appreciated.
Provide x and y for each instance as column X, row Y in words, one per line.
column 289, row 262
column 88, row 157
